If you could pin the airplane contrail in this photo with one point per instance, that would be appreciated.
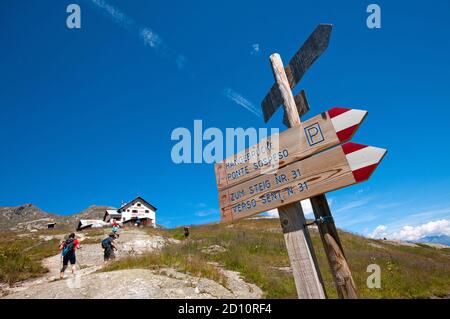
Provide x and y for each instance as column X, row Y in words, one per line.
column 241, row 100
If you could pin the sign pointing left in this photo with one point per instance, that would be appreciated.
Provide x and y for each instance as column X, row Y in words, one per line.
column 309, row 52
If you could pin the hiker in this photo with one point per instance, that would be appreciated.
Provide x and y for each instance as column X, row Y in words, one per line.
column 68, row 248
column 109, row 246
column 115, row 228
column 186, row 232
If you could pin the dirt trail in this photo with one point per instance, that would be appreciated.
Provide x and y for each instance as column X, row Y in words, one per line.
column 129, row 283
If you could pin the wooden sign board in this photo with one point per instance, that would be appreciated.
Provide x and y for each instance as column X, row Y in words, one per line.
column 319, row 133
column 342, row 166
column 309, row 52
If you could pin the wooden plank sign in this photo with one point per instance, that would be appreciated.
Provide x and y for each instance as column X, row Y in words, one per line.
column 342, row 166
column 319, row 133
column 309, row 52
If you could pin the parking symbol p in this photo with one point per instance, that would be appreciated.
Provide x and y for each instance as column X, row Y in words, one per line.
column 314, row 134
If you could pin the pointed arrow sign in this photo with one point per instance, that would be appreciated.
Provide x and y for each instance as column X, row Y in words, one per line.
column 342, row 166
column 319, row 133
column 310, row 51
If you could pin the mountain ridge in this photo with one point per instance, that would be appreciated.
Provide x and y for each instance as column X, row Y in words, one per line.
column 30, row 217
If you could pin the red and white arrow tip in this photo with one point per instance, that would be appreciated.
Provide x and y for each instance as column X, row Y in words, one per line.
column 346, row 121
column 363, row 159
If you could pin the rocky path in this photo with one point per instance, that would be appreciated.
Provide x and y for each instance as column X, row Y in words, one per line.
column 129, row 283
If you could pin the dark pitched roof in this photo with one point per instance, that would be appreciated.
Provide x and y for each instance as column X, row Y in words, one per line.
column 137, row 199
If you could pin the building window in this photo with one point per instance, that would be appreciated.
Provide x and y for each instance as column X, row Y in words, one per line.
column 139, row 204
column 134, row 211
column 128, row 210
column 147, row 211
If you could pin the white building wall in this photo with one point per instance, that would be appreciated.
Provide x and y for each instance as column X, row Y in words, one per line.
column 140, row 212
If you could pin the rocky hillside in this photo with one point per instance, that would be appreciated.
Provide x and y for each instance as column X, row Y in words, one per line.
column 93, row 212
column 92, row 280
column 24, row 217
column 246, row 259
column 31, row 218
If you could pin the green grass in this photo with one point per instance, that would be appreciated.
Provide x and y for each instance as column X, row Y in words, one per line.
column 20, row 258
column 177, row 257
column 256, row 249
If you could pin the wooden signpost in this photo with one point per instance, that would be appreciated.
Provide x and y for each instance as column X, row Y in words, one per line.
column 319, row 133
column 342, row 166
column 309, row 52
column 307, row 162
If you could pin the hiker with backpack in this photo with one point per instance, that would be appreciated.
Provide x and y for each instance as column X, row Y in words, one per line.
column 109, row 246
column 68, row 249
column 115, row 228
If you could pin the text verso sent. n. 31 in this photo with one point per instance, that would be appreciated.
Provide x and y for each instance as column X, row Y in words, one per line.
column 342, row 166
column 319, row 133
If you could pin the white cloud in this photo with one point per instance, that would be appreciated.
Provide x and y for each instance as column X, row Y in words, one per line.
column 273, row 213
column 146, row 34
column 239, row 99
column 306, row 205
column 421, row 217
column 150, row 38
column 412, row 233
column 353, row 204
column 207, row 212
column 118, row 16
column 180, row 61
column 255, row 49
column 378, row 232
column 200, row 205
column 433, row 228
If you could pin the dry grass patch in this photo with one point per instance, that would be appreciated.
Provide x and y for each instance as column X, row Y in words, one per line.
column 174, row 256
column 256, row 248
column 20, row 258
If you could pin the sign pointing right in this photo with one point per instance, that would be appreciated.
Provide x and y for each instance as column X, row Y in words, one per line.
column 315, row 135
column 342, row 166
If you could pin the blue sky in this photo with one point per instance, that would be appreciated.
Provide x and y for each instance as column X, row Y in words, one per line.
column 87, row 114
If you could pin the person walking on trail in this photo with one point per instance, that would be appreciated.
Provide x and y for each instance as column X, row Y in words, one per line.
column 115, row 228
column 109, row 246
column 68, row 249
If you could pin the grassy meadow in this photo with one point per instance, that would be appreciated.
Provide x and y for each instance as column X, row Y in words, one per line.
column 21, row 254
column 20, row 257
column 256, row 249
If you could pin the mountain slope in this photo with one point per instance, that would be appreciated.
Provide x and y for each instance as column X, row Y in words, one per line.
column 30, row 218
column 256, row 249
column 253, row 248
column 24, row 217
column 442, row 239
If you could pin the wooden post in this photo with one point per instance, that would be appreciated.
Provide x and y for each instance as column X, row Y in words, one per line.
column 298, row 242
column 342, row 276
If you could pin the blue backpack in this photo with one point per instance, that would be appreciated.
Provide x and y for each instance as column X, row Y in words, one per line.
column 69, row 245
column 106, row 242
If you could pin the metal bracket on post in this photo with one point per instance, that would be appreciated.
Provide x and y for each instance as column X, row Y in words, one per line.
column 320, row 220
